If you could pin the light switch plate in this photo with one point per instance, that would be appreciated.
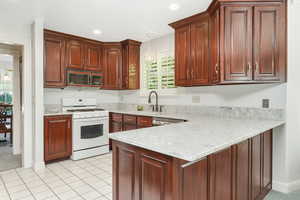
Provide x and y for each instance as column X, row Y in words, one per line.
column 195, row 99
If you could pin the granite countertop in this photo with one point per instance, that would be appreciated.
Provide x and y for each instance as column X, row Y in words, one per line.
column 192, row 140
column 195, row 139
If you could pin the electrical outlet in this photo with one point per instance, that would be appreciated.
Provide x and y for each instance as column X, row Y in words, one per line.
column 266, row 103
column 195, row 99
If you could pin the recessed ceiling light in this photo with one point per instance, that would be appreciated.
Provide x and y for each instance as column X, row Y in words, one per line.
column 174, row 6
column 97, row 32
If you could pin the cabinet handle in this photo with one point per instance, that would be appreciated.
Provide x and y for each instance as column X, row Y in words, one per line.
column 217, row 68
column 256, row 67
column 249, row 67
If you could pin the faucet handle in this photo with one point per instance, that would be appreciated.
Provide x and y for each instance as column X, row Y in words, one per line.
column 153, row 107
column 161, row 108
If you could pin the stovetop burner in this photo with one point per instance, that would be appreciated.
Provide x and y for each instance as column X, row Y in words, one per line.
column 86, row 110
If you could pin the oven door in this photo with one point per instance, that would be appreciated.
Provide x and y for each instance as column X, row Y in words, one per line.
column 90, row 133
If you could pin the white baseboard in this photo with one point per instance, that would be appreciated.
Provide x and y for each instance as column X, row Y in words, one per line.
column 286, row 187
column 38, row 166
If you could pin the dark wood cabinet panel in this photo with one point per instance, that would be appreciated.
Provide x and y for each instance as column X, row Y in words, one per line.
column 112, row 67
column 222, row 175
column 215, row 47
column 154, row 180
column 242, row 176
column 182, row 56
column 199, row 52
column 237, row 52
column 124, row 177
column 75, row 54
column 240, row 172
column 267, row 161
column 131, row 64
column 93, row 57
column 54, row 61
column 128, row 127
column 58, row 137
column 129, row 119
column 144, row 122
column 256, row 167
column 269, row 37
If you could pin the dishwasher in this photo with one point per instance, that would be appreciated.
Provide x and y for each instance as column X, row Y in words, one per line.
column 160, row 121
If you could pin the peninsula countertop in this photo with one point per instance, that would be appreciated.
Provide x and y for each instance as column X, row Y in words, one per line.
column 198, row 137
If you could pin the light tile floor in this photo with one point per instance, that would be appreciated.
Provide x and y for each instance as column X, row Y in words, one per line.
column 7, row 159
column 89, row 179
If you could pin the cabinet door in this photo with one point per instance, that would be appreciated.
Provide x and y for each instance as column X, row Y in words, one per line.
column 267, row 161
column 221, row 178
column 93, row 57
column 182, row 56
column 112, row 68
column 269, row 39
column 75, row 54
column 199, row 53
column 238, row 44
column 215, row 47
column 128, row 127
column 58, row 137
column 242, row 170
column 256, row 167
column 54, row 61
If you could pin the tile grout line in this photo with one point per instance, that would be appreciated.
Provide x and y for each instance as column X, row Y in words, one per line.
column 65, row 182
column 48, row 185
column 5, row 187
column 82, row 179
column 25, row 184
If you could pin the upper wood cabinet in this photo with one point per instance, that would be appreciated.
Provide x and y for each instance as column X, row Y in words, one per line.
column 113, row 67
column 192, row 51
column 57, row 137
column 93, row 57
column 54, row 60
column 238, row 43
column 237, row 37
column 269, row 43
column 131, row 64
column 199, row 52
column 117, row 63
column 182, row 55
column 75, row 54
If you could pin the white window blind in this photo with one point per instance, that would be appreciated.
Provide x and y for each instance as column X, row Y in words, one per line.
column 159, row 73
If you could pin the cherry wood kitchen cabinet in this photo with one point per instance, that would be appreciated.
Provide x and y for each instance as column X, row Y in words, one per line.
column 110, row 65
column 269, row 43
column 246, row 43
column 191, row 51
column 93, row 57
column 229, row 174
column 54, row 60
column 113, row 67
column 237, row 51
column 57, row 137
column 75, row 54
column 131, row 64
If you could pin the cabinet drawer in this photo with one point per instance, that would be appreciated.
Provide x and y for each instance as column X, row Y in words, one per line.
column 115, row 127
column 116, row 117
column 128, row 127
column 144, row 121
column 129, row 119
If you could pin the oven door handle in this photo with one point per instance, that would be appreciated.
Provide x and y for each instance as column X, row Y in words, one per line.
column 97, row 120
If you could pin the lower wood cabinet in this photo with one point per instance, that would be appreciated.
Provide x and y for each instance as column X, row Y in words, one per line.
column 240, row 172
column 57, row 137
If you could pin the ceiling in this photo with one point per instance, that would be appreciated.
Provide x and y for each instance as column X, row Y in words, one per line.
column 117, row 19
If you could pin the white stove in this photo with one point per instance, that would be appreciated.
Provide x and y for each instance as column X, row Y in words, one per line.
column 89, row 127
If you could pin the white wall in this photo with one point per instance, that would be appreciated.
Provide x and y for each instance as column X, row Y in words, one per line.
column 53, row 96
column 21, row 34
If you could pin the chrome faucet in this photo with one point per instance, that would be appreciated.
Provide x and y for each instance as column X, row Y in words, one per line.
column 156, row 107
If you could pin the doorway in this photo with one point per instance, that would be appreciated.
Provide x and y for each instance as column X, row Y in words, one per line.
column 10, row 106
